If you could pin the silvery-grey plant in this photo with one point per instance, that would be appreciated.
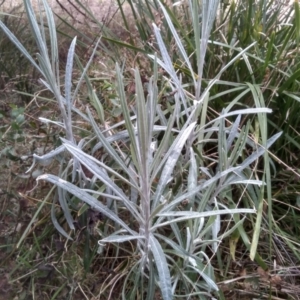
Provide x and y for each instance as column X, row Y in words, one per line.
column 173, row 225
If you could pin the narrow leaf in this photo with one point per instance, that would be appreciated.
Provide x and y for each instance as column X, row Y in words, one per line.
column 82, row 195
column 120, row 238
column 162, row 268
column 171, row 162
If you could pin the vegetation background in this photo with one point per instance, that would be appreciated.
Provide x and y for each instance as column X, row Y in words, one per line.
column 140, row 161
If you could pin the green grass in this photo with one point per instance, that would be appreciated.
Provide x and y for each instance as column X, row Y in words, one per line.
column 175, row 172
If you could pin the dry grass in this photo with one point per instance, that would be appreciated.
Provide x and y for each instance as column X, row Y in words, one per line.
column 105, row 12
column 102, row 274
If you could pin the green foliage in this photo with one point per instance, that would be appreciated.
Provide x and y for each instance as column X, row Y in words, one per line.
column 186, row 164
